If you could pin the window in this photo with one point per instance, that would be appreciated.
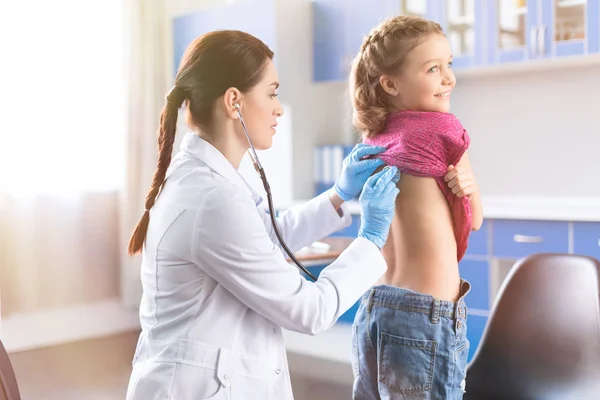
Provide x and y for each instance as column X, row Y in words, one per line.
column 63, row 115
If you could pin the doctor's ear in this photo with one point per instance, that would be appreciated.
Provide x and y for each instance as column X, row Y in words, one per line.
column 232, row 100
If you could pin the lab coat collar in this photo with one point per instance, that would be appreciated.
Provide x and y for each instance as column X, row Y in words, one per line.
column 212, row 157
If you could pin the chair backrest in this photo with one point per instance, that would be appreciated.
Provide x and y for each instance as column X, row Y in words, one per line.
column 8, row 382
column 542, row 340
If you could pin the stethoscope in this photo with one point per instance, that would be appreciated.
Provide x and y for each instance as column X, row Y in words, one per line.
column 263, row 177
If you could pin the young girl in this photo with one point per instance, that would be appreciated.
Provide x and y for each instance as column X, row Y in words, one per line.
column 410, row 331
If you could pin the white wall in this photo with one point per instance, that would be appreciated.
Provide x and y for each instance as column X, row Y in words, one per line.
column 533, row 134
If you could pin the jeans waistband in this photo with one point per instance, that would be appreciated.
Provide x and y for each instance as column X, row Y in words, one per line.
column 401, row 298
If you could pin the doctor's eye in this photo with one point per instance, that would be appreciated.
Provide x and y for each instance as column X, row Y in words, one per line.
column 274, row 95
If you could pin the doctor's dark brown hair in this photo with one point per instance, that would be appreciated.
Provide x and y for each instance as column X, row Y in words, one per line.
column 212, row 64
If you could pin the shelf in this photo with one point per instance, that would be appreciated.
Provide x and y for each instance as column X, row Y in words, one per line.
column 518, row 11
column 570, row 3
column 536, row 66
column 461, row 22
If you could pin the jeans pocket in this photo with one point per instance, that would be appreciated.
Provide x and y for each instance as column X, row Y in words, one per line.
column 405, row 365
column 355, row 352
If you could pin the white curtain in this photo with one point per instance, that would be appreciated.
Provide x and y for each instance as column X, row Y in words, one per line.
column 148, row 81
column 61, row 153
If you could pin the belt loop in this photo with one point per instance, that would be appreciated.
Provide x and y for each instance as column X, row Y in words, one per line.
column 370, row 303
column 435, row 311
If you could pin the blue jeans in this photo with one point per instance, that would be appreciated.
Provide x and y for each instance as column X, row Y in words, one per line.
column 408, row 345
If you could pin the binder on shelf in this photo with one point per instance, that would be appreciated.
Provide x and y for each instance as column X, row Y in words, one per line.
column 328, row 160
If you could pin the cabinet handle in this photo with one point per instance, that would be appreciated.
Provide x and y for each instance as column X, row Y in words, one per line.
column 527, row 239
column 533, row 41
column 541, row 40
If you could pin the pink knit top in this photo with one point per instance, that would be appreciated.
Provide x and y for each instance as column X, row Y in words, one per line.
column 425, row 144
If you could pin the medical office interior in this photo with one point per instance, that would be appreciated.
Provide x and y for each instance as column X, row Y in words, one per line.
column 78, row 147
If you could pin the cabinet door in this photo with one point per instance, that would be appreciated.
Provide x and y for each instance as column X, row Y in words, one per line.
column 593, row 26
column 361, row 18
column 256, row 17
column 568, row 27
column 186, row 28
column 475, row 328
column 477, row 273
column 243, row 16
column 463, row 23
column 586, row 239
column 512, row 34
column 329, row 42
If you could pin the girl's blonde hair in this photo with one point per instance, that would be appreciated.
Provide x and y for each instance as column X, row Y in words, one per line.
column 383, row 52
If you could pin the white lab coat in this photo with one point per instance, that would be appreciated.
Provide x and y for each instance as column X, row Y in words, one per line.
column 218, row 289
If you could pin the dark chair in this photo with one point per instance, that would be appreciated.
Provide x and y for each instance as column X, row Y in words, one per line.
column 8, row 383
column 542, row 340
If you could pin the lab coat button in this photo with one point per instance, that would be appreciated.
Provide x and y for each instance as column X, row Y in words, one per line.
column 225, row 380
column 277, row 371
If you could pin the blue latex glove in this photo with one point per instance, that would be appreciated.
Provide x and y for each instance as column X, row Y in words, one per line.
column 377, row 203
column 356, row 171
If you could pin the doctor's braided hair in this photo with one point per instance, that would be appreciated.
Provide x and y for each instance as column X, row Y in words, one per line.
column 383, row 52
column 211, row 64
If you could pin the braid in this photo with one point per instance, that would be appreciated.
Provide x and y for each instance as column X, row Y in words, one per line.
column 166, row 138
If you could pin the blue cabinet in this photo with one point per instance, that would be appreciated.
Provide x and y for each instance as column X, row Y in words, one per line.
column 514, row 239
column 568, row 27
column 586, row 239
column 479, row 241
column 481, row 32
column 463, row 23
column 329, row 47
column 257, row 17
column 339, row 28
column 512, row 26
column 475, row 327
column 478, row 275
column 537, row 29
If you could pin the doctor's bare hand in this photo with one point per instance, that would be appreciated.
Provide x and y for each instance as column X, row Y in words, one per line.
column 356, row 170
column 377, row 203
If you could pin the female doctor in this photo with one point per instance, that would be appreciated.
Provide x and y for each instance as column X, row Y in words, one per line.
column 217, row 289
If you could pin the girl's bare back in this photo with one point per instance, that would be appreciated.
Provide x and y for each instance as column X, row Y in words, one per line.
column 421, row 247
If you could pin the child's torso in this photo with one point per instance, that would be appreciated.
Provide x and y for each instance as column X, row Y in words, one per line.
column 421, row 250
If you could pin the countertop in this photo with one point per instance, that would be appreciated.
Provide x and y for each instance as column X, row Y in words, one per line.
column 322, row 252
column 523, row 207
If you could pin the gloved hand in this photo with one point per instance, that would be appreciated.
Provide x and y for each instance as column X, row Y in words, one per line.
column 356, row 171
column 377, row 203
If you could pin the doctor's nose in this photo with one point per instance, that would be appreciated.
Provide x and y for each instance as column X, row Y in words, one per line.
column 278, row 110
